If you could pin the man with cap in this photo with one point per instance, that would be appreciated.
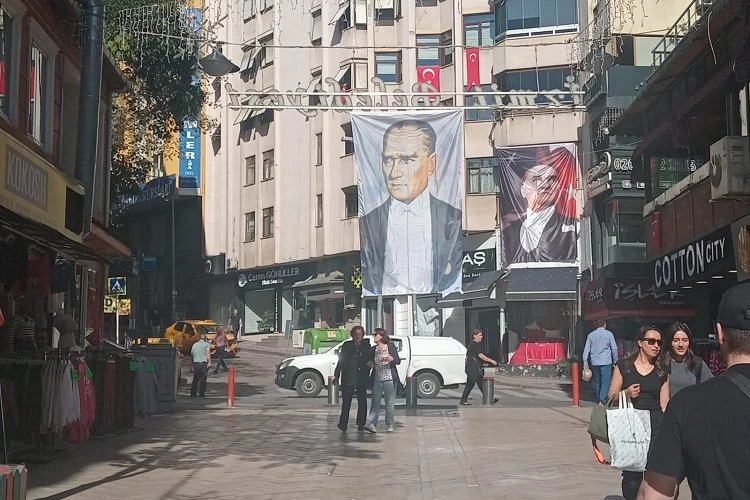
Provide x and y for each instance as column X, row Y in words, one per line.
column 705, row 432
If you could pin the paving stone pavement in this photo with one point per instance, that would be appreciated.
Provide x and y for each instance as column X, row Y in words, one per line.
column 273, row 444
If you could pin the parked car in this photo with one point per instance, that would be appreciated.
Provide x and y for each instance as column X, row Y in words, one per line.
column 436, row 362
column 183, row 334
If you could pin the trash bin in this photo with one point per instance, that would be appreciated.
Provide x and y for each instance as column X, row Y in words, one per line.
column 320, row 340
column 164, row 356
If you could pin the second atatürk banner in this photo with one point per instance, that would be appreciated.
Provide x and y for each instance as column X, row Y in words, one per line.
column 410, row 180
column 538, row 203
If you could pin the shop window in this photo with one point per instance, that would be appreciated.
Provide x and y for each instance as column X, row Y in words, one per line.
column 260, row 311
column 319, row 210
column 319, row 149
column 351, row 202
column 250, row 227
column 479, row 30
column 40, row 89
column 388, row 66
column 268, row 165
column 483, row 175
column 535, row 17
column 480, row 114
column 250, row 170
column 539, row 80
column 7, row 60
column 371, row 308
column 268, row 222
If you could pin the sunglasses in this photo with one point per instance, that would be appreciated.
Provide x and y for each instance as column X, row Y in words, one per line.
column 651, row 341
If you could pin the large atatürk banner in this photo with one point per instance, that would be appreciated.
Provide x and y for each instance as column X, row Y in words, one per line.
column 410, row 176
column 538, row 204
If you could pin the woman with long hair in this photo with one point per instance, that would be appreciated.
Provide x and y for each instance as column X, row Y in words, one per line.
column 384, row 359
column 645, row 380
column 685, row 368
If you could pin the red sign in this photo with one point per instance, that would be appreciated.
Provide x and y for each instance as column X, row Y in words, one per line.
column 429, row 75
column 472, row 67
column 629, row 297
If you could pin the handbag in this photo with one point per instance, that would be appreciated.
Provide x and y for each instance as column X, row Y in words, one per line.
column 629, row 432
column 587, row 374
column 598, row 428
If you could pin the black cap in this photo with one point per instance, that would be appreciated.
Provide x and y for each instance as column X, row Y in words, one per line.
column 734, row 309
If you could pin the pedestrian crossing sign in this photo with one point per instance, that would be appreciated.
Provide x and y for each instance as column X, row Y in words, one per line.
column 117, row 286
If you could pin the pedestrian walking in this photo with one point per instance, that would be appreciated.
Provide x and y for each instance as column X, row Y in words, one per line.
column 236, row 322
column 222, row 343
column 645, row 380
column 201, row 355
column 474, row 357
column 599, row 355
column 354, row 374
column 383, row 361
column 704, row 433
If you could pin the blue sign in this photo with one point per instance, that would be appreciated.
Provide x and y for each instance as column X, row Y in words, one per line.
column 148, row 264
column 117, row 286
column 190, row 155
column 161, row 187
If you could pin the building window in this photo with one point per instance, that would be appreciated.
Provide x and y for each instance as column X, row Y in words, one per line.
column 479, row 30
column 268, row 165
column 38, row 95
column 250, row 227
column 480, row 114
column 387, row 10
column 388, row 66
column 523, row 17
column 319, row 210
column 317, row 26
column 446, row 48
column 542, row 80
column 348, row 139
column 268, row 51
column 250, row 170
column 268, row 222
column 7, row 62
column 435, row 50
column 351, row 202
column 483, row 175
column 319, row 149
column 626, row 220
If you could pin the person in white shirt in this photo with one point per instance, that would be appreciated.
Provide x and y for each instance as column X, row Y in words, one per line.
column 412, row 242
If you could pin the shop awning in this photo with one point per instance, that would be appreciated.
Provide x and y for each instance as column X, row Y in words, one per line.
column 542, row 283
column 47, row 237
column 480, row 288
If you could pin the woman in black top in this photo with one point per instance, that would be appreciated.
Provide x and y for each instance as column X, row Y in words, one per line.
column 646, row 382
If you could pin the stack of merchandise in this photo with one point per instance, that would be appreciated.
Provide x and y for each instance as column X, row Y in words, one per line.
column 13, row 482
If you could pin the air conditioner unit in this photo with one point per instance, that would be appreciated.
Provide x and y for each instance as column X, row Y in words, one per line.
column 729, row 163
column 232, row 264
column 214, row 264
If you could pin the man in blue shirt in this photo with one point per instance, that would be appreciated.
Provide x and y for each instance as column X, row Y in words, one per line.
column 201, row 354
column 601, row 348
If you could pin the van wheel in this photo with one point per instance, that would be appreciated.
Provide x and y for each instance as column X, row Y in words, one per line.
column 428, row 386
column 308, row 384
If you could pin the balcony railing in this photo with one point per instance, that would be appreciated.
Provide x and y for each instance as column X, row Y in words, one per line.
column 686, row 22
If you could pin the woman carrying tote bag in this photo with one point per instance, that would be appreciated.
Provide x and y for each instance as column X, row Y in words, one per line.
column 646, row 382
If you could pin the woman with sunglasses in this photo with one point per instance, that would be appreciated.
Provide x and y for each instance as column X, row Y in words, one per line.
column 645, row 381
column 384, row 358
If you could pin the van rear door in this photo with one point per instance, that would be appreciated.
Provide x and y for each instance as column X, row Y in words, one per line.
column 404, row 352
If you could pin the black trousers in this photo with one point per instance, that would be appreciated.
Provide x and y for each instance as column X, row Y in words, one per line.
column 219, row 355
column 200, row 373
column 346, row 404
column 471, row 380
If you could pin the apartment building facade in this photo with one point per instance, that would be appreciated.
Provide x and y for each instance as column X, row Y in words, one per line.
column 280, row 191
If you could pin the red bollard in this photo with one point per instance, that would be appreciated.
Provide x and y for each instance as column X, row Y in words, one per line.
column 230, row 387
column 576, row 376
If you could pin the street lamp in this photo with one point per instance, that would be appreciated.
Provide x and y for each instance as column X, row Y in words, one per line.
column 216, row 64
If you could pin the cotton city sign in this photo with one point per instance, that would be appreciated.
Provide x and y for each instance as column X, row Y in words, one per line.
column 314, row 98
column 699, row 257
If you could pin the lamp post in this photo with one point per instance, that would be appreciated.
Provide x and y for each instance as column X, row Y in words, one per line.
column 174, row 278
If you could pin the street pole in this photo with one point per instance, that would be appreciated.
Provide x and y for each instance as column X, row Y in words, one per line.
column 117, row 319
column 379, row 313
column 174, row 287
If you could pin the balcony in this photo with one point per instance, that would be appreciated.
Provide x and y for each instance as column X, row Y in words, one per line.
column 618, row 83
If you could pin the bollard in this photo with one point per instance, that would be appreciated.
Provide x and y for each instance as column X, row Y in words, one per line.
column 333, row 391
column 230, row 387
column 411, row 392
column 576, row 376
column 488, row 387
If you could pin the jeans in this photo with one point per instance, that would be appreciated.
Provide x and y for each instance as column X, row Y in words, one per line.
column 470, row 382
column 200, row 372
column 601, row 376
column 346, row 405
column 380, row 388
column 219, row 355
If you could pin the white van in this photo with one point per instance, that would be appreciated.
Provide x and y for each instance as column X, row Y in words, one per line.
column 436, row 362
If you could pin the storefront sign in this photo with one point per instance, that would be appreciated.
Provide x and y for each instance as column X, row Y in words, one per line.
column 111, row 305
column 161, row 187
column 32, row 187
column 190, row 156
column 630, row 297
column 275, row 276
column 710, row 253
column 477, row 262
column 610, row 172
column 741, row 238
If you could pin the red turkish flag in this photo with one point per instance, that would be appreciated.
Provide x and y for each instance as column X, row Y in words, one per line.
column 472, row 67
column 429, row 75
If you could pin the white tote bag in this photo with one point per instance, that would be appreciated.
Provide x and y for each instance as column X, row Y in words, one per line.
column 629, row 433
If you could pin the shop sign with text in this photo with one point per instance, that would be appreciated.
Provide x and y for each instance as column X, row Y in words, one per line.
column 631, row 297
column 282, row 275
column 477, row 262
column 712, row 253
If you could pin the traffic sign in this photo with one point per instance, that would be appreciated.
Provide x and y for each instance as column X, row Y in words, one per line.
column 117, row 286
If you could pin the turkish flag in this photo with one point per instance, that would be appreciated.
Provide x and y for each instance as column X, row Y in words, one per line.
column 429, row 75
column 472, row 67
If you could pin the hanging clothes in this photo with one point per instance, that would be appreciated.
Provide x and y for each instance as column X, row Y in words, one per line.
column 78, row 431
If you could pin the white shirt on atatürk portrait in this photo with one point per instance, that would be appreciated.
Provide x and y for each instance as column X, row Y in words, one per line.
column 533, row 227
column 408, row 247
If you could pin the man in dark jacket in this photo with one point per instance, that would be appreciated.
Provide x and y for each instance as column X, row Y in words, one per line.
column 354, row 374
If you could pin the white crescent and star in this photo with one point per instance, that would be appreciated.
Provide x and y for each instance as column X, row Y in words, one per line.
column 427, row 71
column 472, row 58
